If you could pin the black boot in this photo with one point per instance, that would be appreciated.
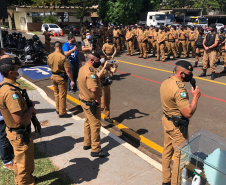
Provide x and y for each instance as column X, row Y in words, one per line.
column 196, row 64
column 203, row 73
column 213, row 76
column 224, row 71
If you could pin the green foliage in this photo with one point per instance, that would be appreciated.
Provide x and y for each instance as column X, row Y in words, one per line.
column 120, row 12
column 206, row 5
column 50, row 19
column 37, row 19
column 83, row 7
column 19, row 2
column 178, row 4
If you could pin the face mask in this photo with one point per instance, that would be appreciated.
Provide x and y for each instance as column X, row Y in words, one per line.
column 73, row 41
column 108, row 41
column 96, row 64
column 102, row 60
column 187, row 78
column 20, row 73
column 88, row 37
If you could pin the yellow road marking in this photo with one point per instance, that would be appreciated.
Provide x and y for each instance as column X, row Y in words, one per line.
column 212, row 81
column 122, row 127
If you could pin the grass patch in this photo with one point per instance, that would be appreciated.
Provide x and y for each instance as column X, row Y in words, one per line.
column 37, row 32
column 25, row 85
column 44, row 170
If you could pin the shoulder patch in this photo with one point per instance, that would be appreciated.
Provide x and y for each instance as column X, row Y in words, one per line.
column 93, row 76
column 91, row 69
column 183, row 94
column 180, row 85
column 15, row 96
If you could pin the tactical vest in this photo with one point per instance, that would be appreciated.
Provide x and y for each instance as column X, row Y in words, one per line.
column 199, row 41
column 221, row 37
column 87, row 45
column 109, row 49
column 210, row 39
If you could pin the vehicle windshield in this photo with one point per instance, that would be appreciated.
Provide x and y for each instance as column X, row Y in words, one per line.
column 160, row 17
column 194, row 20
column 53, row 26
column 202, row 20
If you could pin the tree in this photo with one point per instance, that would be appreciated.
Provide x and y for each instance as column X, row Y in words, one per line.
column 120, row 11
column 178, row 4
column 83, row 7
column 18, row 2
column 207, row 5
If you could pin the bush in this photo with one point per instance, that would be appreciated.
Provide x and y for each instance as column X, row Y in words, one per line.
column 50, row 19
column 37, row 19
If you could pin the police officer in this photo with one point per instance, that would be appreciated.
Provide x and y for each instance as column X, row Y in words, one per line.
column 199, row 46
column 129, row 41
column 60, row 69
column 87, row 46
column 154, row 38
column 191, row 42
column 90, row 98
column 210, row 43
column 182, row 42
column 161, row 44
column 109, row 49
column 224, row 70
column 116, row 38
column 47, row 35
column 17, row 118
column 142, row 40
column 221, row 45
column 176, row 107
column 150, row 40
column 105, row 72
column 172, row 36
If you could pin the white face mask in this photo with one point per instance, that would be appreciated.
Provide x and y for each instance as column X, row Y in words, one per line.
column 20, row 73
column 88, row 37
column 102, row 60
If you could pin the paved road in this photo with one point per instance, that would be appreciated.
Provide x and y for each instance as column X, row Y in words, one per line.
column 136, row 101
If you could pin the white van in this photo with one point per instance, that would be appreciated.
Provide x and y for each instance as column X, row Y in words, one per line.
column 157, row 19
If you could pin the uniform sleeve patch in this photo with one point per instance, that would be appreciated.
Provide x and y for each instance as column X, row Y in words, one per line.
column 183, row 94
column 15, row 96
column 180, row 85
column 91, row 69
column 93, row 76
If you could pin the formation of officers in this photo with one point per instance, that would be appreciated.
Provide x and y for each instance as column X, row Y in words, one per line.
column 161, row 41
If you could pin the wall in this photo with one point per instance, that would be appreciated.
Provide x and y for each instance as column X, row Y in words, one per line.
column 74, row 19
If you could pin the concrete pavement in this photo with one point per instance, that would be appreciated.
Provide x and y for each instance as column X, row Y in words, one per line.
column 62, row 142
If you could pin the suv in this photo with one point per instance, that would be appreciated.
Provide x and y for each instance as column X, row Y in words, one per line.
column 52, row 27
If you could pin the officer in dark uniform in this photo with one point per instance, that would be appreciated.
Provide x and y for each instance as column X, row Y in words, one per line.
column 177, row 110
column 17, row 118
column 60, row 69
column 210, row 44
column 90, row 98
column 199, row 45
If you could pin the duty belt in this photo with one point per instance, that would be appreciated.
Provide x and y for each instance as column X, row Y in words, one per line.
column 171, row 119
column 15, row 129
column 191, row 40
column 182, row 39
column 171, row 40
column 86, row 102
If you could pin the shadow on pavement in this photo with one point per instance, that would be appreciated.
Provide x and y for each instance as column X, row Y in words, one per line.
column 52, row 130
column 40, row 111
column 119, row 77
column 130, row 114
column 58, row 146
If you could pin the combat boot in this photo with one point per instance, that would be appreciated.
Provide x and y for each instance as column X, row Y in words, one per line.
column 224, row 71
column 203, row 73
column 196, row 64
column 213, row 76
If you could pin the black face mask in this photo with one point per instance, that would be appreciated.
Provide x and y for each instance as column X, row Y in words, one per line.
column 96, row 64
column 187, row 77
column 108, row 42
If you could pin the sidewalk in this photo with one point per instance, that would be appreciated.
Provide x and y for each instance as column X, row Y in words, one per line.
column 62, row 142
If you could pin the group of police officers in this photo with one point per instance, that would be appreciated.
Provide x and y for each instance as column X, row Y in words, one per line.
column 161, row 41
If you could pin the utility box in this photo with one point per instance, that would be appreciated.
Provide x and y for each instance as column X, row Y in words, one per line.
column 204, row 151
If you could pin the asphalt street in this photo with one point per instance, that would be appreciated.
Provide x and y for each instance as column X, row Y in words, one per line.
column 135, row 97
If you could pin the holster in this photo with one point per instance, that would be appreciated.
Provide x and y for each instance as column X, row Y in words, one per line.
column 25, row 134
column 64, row 76
column 182, row 124
column 92, row 105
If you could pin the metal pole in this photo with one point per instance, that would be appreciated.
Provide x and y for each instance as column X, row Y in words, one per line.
column 1, row 37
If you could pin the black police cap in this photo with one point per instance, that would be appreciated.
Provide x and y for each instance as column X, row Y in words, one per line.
column 96, row 54
column 10, row 61
column 185, row 64
column 213, row 26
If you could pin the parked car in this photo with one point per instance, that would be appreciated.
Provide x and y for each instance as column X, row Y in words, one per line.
column 219, row 26
column 75, row 29
column 52, row 27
